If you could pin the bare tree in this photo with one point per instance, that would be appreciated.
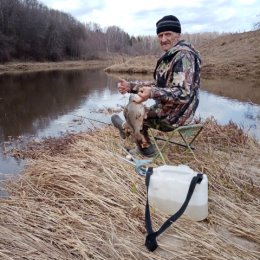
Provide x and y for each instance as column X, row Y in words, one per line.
column 31, row 31
column 116, row 39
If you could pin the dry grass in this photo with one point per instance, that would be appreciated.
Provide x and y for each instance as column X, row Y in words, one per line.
column 234, row 54
column 79, row 201
column 140, row 64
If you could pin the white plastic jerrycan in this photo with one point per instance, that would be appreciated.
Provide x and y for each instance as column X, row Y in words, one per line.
column 168, row 189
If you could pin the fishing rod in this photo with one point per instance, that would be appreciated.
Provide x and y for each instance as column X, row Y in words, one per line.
column 92, row 119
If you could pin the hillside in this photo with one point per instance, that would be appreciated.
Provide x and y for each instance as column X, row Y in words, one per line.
column 236, row 55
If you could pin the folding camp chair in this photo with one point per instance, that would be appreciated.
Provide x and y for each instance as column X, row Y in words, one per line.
column 188, row 134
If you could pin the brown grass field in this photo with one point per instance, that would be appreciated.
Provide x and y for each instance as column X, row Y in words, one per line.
column 77, row 200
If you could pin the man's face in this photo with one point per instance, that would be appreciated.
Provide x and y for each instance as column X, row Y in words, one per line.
column 167, row 39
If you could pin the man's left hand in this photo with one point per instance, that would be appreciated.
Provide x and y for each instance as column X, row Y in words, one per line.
column 144, row 93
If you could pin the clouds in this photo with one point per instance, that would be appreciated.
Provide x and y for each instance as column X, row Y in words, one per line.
column 138, row 17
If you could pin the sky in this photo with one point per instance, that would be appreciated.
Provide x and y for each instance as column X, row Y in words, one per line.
column 138, row 17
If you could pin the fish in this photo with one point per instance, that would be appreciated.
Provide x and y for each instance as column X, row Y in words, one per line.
column 135, row 114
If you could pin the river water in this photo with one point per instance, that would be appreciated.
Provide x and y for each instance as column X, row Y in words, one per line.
column 43, row 104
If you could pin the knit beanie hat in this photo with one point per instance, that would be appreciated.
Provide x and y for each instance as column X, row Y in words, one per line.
column 168, row 23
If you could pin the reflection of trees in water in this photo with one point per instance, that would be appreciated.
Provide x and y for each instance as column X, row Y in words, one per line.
column 31, row 101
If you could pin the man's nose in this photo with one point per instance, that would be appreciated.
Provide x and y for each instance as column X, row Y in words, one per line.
column 164, row 38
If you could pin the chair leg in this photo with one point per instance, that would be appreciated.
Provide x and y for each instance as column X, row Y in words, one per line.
column 186, row 143
column 193, row 139
column 172, row 142
column 157, row 147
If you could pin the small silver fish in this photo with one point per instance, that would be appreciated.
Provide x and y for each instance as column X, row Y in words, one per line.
column 135, row 114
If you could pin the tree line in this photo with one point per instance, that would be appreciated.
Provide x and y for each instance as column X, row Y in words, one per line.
column 30, row 30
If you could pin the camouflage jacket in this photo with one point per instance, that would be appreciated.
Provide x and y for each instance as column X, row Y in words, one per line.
column 177, row 81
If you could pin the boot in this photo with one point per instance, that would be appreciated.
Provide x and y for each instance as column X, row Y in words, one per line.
column 146, row 148
column 149, row 150
column 118, row 123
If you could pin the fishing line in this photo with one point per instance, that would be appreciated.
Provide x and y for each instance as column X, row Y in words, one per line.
column 92, row 119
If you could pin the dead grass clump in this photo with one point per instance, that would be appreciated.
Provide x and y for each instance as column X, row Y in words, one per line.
column 51, row 146
column 224, row 135
column 140, row 64
column 89, row 204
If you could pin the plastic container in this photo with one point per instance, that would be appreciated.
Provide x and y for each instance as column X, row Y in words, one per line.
column 169, row 187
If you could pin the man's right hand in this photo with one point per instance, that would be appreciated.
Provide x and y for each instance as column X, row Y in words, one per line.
column 123, row 86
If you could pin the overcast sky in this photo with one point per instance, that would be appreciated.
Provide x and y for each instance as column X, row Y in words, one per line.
column 138, row 17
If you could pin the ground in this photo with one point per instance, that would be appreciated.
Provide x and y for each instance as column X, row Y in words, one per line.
column 79, row 199
column 236, row 55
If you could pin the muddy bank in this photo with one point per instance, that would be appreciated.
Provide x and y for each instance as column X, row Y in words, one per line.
column 18, row 67
column 77, row 200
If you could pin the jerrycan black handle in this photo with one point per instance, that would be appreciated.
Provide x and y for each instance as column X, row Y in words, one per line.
column 150, row 241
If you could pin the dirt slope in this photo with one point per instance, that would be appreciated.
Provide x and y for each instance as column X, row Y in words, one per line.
column 237, row 55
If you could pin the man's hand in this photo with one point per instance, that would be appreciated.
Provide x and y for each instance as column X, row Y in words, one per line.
column 123, row 86
column 138, row 99
column 144, row 93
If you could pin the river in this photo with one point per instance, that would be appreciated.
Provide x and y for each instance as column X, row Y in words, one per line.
column 43, row 104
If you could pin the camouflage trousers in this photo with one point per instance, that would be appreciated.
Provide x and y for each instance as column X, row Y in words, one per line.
column 151, row 121
column 155, row 122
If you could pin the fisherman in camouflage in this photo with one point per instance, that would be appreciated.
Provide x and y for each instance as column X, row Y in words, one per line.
column 176, row 86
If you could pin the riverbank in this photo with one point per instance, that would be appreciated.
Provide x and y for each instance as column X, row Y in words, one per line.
column 77, row 200
column 232, row 55
column 21, row 67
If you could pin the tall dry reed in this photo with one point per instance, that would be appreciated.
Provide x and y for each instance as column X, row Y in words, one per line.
column 77, row 200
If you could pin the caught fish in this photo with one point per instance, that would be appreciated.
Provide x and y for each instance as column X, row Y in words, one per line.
column 135, row 114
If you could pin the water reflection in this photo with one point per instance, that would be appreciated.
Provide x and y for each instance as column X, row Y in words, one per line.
column 224, row 110
column 39, row 104
column 242, row 90
column 29, row 102
column 51, row 103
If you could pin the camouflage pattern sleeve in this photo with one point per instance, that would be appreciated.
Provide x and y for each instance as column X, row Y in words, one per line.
column 179, row 79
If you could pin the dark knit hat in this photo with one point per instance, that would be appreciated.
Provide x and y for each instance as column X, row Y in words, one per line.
column 168, row 23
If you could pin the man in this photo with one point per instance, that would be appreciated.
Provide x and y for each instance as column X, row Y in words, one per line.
column 176, row 87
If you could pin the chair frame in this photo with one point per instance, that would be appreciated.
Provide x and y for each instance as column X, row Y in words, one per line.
column 186, row 130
